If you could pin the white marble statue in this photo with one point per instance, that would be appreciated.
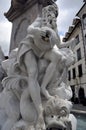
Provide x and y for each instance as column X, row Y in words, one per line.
column 36, row 90
column 2, row 71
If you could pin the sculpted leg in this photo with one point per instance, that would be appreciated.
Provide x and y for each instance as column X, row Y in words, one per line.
column 55, row 57
column 34, row 88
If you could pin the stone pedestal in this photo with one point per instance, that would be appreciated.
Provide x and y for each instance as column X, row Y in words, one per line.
column 20, row 24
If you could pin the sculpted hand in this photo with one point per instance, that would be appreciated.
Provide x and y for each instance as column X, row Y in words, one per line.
column 45, row 35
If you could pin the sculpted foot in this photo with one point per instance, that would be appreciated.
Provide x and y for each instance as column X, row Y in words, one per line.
column 40, row 124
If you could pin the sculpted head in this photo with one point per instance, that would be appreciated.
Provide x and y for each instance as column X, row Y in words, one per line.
column 56, row 113
column 49, row 16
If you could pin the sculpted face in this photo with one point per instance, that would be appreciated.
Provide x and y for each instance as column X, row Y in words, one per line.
column 49, row 16
column 56, row 114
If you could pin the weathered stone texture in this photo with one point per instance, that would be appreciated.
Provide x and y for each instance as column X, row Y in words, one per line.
column 20, row 25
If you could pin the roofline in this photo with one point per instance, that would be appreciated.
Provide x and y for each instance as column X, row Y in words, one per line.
column 66, row 39
column 76, row 24
column 80, row 9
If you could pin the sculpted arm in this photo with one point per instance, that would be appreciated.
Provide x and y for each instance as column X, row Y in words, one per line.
column 54, row 56
column 68, row 43
column 34, row 25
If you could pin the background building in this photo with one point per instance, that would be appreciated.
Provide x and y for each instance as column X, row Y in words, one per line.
column 77, row 71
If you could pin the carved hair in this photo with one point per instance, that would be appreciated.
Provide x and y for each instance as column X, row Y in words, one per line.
column 50, row 8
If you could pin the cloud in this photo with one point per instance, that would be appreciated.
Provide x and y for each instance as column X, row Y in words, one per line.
column 68, row 4
column 5, row 26
column 67, row 12
column 4, row 6
column 5, row 33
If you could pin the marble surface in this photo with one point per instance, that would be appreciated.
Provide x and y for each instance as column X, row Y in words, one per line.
column 36, row 95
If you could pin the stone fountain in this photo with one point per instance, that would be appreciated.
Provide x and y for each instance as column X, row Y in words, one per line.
column 36, row 95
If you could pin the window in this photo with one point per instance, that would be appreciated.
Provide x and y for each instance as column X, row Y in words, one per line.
column 77, row 39
column 84, row 21
column 80, row 70
column 85, row 38
column 78, row 54
column 69, row 75
column 74, row 73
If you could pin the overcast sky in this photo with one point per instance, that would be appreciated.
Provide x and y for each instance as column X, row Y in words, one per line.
column 67, row 11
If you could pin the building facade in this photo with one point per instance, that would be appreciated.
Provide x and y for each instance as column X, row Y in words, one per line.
column 77, row 71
